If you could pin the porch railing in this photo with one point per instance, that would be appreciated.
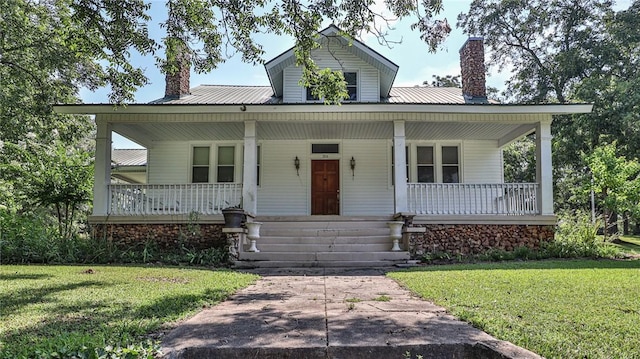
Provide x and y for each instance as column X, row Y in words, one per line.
column 149, row 199
column 463, row 198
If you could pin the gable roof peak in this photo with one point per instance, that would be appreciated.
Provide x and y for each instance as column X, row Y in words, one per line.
column 388, row 69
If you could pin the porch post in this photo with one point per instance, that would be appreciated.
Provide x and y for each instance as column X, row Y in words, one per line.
column 249, row 177
column 399, row 165
column 544, row 168
column 102, row 171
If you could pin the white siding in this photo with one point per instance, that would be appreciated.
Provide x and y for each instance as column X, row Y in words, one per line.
column 367, row 192
column 168, row 163
column 482, row 162
column 292, row 91
column 368, row 76
column 282, row 191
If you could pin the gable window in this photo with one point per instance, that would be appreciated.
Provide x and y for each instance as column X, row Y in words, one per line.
column 200, row 164
column 450, row 164
column 352, row 85
column 351, row 78
column 226, row 164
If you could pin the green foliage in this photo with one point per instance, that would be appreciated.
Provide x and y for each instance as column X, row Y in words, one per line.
column 51, row 177
column 26, row 238
column 568, row 51
column 576, row 237
column 206, row 33
column 558, row 309
column 382, row 298
column 101, row 312
column 616, row 181
column 520, row 161
column 444, row 81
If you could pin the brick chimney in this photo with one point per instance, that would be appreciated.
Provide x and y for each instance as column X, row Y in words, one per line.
column 474, row 87
column 177, row 84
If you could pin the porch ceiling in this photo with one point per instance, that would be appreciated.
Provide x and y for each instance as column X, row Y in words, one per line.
column 147, row 133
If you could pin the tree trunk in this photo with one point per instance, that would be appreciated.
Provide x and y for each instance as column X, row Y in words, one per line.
column 625, row 224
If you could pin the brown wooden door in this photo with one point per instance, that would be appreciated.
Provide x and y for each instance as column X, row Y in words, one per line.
column 325, row 187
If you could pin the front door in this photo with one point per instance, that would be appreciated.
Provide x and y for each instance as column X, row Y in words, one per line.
column 325, row 187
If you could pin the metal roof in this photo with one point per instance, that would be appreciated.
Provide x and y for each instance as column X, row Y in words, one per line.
column 129, row 157
column 225, row 95
column 262, row 95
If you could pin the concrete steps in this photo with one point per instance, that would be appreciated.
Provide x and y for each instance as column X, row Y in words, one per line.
column 322, row 242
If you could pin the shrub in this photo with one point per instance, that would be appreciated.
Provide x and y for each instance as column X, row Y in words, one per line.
column 577, row 237
column 27, row 238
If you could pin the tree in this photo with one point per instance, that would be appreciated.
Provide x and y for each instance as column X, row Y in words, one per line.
column 444, row 81
column 550, row 45
column 569, row 51
column 616, row 181
column 52, row 177
column 204, row 28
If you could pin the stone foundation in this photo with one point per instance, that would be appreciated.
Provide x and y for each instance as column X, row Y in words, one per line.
column 166, row 236
column 468, row 239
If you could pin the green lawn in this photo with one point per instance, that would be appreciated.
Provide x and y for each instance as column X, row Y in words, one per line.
column 61, row 309
column 559, row 309
column 629, row 244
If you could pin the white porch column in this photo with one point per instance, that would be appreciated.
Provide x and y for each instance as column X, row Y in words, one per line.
column 544, row 168
column 249, row 177
column 102, row 170
column 399, row 165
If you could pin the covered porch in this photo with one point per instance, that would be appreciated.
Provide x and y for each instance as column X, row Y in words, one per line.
column 383, row 172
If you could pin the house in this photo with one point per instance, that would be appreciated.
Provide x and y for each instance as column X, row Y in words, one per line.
column 325, row 180
column 129, row 165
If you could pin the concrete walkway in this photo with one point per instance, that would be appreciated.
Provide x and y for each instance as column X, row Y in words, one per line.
column 330, row 313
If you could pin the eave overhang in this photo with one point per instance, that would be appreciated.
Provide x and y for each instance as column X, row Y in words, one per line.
column 94, row 109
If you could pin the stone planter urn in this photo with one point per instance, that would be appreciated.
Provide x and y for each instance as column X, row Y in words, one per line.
column 396, row 234
column 233, row 217
column 253, row 234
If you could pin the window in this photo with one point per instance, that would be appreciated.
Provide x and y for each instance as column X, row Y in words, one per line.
column 258, row 166
column 200, row 165
column 426, row 165
column 226, row 164
column 450, row 164
column 351, row 78
column 352, row 85
column 325, row 148
column 434, row 163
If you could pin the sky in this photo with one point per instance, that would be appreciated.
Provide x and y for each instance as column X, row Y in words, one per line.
column 416, row 63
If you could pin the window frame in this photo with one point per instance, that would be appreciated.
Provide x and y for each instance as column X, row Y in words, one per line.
column 412, row 160
column 192, row 165
column 218, row 165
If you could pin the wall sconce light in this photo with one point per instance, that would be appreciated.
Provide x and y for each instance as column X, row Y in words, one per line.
column 296, row 163
column 353, row 166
